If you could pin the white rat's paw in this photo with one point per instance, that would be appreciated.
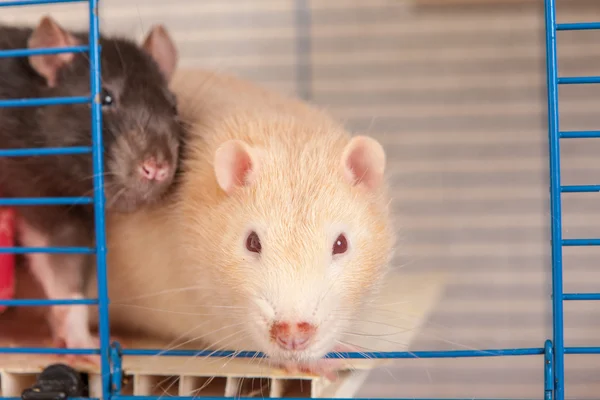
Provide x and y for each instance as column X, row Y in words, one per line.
column 325, row 367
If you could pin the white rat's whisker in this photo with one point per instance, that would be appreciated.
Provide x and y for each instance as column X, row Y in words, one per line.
column 419, row 326
column 201, row 388
column 263, row 362
column 374, row 322
column 228, row 307
column 354, row 346
column 170, row 311
column 373, row 304
column 170, row 291
column 211, row 306
column 407, row 316
column 172, row 346
column 374, row 350
column 260, row 389
column 165, row 391
column 231, row 357
column 207, row 334
column 225, row 346
column 377, row 337
column 221, row 348
column 373, row 335
column 324, row 295
column 169, row 348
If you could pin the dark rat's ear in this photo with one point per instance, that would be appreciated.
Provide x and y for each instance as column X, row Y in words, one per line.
column 235, row 164
column 49, row 34
column 363, row 162
column 160, row 46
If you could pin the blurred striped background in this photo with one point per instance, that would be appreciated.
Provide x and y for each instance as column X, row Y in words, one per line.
column 456, row 92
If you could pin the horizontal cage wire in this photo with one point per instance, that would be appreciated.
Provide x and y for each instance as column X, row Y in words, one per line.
column 110, row 380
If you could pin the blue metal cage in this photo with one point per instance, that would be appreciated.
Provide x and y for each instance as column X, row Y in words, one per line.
column 552, row 354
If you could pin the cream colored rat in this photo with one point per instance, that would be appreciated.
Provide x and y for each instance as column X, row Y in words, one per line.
column 277, row 232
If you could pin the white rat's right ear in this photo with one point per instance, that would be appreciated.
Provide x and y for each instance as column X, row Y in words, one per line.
column 49, row 34
column 160, row 46
column 363, row 162
column 235, row 163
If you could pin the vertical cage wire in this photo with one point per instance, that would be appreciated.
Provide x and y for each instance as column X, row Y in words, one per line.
column 99, row 200
column 555, row 199
column 557, row 189
column 96, row 150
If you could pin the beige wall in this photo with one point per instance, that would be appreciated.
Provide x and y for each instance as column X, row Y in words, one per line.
column 458, row 98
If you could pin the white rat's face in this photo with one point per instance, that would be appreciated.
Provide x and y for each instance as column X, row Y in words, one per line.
column 306, row 275
column 304, row 251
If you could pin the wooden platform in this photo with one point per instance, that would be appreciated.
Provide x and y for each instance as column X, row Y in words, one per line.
column 404, row 298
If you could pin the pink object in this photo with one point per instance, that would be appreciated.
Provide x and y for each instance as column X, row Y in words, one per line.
column 7, row 261
column 152, row 170
column 292, row 336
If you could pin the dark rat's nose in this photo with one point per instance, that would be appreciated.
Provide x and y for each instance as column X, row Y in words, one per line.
column 292, row 336
column 154, row 171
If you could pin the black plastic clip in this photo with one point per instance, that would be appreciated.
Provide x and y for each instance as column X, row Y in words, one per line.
column 56, row 382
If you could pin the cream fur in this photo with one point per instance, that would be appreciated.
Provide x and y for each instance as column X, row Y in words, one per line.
column 298, row 202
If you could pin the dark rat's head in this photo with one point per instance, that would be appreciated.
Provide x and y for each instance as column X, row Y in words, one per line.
column 141, row 129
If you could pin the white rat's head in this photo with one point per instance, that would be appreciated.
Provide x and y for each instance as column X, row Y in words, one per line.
column 303, row 238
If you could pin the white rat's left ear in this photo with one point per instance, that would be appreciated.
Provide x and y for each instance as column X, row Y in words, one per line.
column 363, row 161
column 160, row 46
column 235, row 163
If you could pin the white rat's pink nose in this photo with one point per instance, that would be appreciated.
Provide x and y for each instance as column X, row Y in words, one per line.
column 292, row 336
column 152, row 170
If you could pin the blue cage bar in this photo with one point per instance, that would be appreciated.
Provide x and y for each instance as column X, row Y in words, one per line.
column 553, row 351
column 93, row 50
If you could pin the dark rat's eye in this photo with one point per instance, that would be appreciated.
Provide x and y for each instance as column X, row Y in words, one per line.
column 340, row 246
column 253, row 243
column 106, row 97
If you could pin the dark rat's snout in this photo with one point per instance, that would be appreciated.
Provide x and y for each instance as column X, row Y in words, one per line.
column 156, row 159
column 156, row 169
column 151, row 170
column 141, row 162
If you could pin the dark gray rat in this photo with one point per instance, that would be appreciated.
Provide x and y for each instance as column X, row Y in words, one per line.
column 142, row 138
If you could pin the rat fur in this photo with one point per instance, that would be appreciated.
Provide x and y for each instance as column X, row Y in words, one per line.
column 248, row 253
column 141, row 141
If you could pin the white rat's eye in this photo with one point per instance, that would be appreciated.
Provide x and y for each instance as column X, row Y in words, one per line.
column 340, row 246
column 253, row 243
